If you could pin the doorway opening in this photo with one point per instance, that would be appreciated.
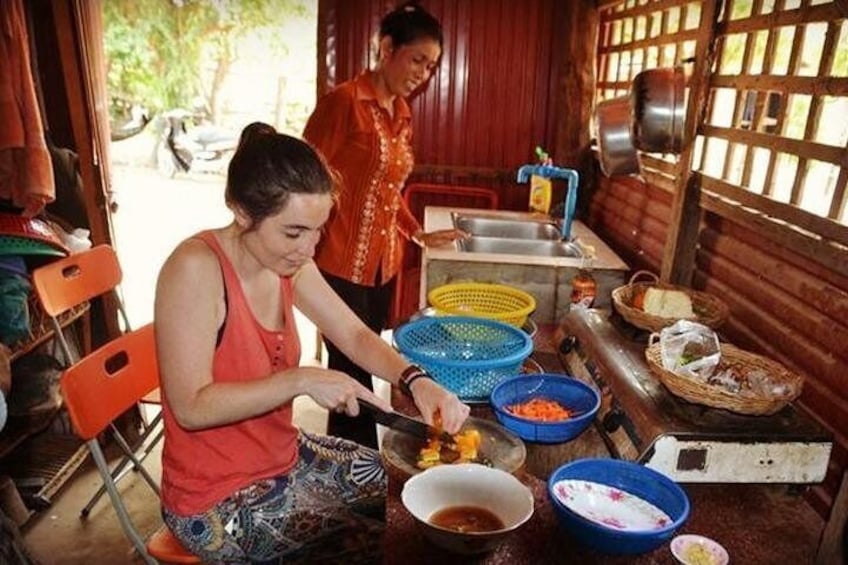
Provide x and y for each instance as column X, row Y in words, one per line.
column 191, row 69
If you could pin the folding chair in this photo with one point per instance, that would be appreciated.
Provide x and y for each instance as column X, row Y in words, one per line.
column 65, row 284
column 99, row 388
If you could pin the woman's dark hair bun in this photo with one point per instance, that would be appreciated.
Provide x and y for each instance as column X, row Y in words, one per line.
column 253, row 131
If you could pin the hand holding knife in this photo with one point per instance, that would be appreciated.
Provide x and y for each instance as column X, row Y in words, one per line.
column 405, row 424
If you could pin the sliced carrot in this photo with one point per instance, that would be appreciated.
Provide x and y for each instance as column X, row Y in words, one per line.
column 540, row 409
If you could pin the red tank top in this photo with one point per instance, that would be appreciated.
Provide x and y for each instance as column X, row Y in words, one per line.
column 201, row 468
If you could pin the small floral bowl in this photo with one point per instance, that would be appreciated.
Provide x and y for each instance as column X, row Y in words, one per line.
column 690, row 549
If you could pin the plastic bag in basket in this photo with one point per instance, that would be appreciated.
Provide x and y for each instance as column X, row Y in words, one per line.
column 690, row 349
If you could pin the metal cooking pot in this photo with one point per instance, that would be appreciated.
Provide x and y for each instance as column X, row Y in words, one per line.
column 659, row 110
column 618, row 155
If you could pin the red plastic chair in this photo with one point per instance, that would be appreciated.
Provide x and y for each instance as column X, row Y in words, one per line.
column 97, row 389
column 66, row 283
column 167, row 549
column 418, row 196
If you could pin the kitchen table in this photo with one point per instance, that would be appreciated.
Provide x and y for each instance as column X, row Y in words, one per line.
column 757, row 524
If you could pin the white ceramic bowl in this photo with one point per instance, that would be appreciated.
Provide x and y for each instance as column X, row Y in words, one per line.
column 690, row 549
column 467, row 484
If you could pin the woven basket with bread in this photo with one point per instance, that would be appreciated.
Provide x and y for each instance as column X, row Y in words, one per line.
column 777, row 385
column 653, row 305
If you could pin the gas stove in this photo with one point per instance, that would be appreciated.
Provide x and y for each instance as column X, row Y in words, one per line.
column 640, row 420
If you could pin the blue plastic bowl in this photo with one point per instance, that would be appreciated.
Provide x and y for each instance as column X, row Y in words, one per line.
column 638, row 480
column 572, row 393
column 467, row 355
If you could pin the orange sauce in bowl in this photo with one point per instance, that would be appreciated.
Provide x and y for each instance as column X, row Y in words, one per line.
column 467, row 519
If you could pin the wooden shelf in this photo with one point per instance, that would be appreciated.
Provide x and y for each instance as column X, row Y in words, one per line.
column 48, row 459
column 41, row 328
column 43, row 465
column 19, row 428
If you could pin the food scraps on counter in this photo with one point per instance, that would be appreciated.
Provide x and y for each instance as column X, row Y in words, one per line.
column 463, row 450
column 540, row 409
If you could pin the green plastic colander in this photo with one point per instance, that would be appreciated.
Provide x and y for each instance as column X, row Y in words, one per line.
column 12, row 245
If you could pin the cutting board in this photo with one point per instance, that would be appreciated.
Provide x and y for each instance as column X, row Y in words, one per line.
column 503, row 449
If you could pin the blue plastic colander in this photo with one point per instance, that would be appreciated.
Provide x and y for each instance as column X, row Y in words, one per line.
column 467, row 355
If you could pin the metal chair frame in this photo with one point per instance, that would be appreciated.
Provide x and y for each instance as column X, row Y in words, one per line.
column 99, row 388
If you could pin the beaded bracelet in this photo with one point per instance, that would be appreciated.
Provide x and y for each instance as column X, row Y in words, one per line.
column 410, row 375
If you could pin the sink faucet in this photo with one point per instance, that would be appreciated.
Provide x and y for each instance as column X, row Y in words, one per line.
column 551, row 172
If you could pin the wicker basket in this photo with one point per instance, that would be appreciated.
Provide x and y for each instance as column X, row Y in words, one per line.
column 494, row 301
column 740, row 362
column 709, row 310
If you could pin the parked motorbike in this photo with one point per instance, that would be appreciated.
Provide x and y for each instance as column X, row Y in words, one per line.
column 190, row 144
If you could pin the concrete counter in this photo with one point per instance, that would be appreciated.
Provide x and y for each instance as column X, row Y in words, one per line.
column 548, row 279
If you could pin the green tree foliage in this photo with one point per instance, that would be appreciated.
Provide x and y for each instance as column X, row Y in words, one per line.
column 158, row 52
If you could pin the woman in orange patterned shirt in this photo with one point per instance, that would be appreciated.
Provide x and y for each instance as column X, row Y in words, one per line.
column 363, row 128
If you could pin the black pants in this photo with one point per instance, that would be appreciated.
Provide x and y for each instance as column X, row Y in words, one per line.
column 371, row 304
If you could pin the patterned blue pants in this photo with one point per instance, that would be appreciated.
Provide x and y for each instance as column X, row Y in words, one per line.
column 329, row 509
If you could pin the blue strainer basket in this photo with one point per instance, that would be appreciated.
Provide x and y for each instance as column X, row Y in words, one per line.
column 467, row 355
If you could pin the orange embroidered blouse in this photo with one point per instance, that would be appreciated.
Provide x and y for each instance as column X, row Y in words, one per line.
column 372, row 153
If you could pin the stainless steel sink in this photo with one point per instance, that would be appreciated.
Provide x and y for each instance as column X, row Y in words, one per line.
column 527, row 247
column 505, row 228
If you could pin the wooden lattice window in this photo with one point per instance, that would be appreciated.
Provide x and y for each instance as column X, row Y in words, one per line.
column 637, row 35
column 643, row 34
column 777, row 120
column 775, row 135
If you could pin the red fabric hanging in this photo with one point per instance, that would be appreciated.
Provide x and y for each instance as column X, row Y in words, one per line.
column 26, row 174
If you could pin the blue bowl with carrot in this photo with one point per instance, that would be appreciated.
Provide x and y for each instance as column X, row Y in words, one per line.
column 545, row 407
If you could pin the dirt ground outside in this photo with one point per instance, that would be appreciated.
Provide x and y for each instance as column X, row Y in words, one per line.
column 154, row 214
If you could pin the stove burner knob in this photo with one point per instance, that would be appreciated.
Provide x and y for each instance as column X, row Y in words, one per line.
column 613, row 420
column 567, row 344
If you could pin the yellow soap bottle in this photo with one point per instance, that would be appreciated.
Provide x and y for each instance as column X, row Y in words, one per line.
column 540, row 186
column 540, row 194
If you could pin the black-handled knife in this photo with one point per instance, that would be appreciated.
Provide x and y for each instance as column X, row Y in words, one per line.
column 405, row 424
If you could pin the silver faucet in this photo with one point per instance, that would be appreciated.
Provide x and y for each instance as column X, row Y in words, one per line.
column 551, row 172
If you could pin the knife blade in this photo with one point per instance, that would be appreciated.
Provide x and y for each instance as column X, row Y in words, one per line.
column 405, row 424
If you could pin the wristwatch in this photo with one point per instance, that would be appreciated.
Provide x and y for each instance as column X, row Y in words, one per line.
column 410, row 375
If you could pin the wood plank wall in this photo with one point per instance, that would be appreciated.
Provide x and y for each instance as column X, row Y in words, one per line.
column 783, row 305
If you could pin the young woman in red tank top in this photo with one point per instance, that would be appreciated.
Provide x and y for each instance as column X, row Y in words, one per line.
column 240, row 483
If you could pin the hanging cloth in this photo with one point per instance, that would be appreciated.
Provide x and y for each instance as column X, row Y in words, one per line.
column 26, row 173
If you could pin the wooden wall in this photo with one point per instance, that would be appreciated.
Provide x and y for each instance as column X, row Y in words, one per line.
column 783, row 305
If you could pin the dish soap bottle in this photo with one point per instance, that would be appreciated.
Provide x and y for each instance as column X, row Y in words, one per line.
column 540, row 187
